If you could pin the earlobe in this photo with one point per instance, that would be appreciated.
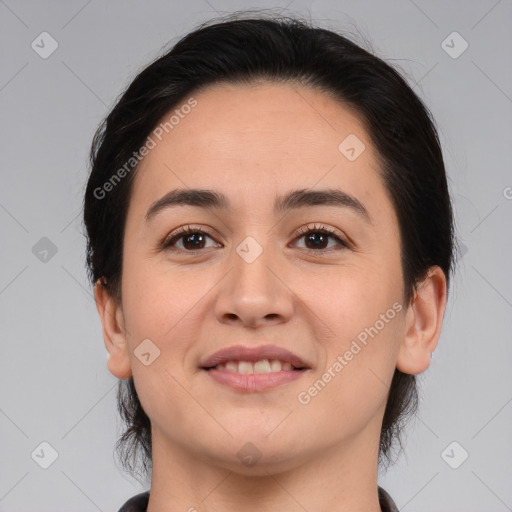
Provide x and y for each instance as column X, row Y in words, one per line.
column 114, row 332
column 424, row 318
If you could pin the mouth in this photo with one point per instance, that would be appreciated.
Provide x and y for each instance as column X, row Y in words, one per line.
column 252, row 369
column 259, row 367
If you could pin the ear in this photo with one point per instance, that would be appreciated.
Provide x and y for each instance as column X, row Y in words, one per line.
column 423, row 322
column 114, row 332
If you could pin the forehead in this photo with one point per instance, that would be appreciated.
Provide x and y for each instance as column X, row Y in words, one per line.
column 254, row 142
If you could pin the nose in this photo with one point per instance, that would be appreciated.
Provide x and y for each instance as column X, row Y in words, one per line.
column 255, row 292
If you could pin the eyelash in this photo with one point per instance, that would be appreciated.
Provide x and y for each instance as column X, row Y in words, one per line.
column 187, row 230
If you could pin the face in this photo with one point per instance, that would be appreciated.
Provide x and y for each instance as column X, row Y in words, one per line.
column 321, row 279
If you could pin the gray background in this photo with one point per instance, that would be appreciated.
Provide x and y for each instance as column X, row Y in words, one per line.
column 54, row 383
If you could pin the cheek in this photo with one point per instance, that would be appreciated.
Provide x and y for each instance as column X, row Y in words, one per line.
column 353, row 383
column 152, row 289
column 354, row 297
column 362, row 314
column 164, row 304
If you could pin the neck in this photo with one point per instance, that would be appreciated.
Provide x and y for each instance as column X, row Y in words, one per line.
column 342, row 479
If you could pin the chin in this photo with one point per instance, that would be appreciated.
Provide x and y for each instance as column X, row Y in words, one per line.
column 258, row 460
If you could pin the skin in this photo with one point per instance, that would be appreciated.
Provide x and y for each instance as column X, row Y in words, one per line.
column 253, row 143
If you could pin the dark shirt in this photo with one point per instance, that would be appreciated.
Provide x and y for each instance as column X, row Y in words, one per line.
column 139, row 503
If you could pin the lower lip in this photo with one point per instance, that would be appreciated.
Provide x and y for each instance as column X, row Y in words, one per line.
column 254, row 382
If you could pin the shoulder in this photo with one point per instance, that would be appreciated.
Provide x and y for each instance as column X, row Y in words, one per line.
column 385, row 501
column 138, row 503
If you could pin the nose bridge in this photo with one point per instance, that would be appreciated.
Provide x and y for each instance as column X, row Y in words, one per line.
column 252, row 291
column 251, row 259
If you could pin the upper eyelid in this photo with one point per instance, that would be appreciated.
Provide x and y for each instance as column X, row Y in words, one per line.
column 315, row 226
column 299, row 233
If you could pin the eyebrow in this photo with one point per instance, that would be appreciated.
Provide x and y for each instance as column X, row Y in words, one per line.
column 295, row 199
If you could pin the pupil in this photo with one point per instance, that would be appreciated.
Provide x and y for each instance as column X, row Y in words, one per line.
column 195, row 245
column 313, row 235
column 316, row 239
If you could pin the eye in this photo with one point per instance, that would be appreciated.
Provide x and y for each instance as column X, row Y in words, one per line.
column 193, row 239
column 317, row 235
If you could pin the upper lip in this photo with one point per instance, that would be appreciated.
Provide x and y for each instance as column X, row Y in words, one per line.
column 253, row 354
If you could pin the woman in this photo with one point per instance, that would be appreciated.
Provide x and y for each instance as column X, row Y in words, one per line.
column 270, row 235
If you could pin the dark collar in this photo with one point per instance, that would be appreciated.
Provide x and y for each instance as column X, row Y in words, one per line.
column 139, row 503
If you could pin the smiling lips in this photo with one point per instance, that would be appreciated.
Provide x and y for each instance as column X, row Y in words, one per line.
column 262, row 366
column 258, row 355
column 254, row 368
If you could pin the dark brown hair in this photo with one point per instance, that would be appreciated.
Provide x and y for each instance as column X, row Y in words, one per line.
column 286, row 50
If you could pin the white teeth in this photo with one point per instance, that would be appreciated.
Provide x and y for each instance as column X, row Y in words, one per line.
column 263, row 366
column 275, row 365
column 231, row 366
column 245, row 368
